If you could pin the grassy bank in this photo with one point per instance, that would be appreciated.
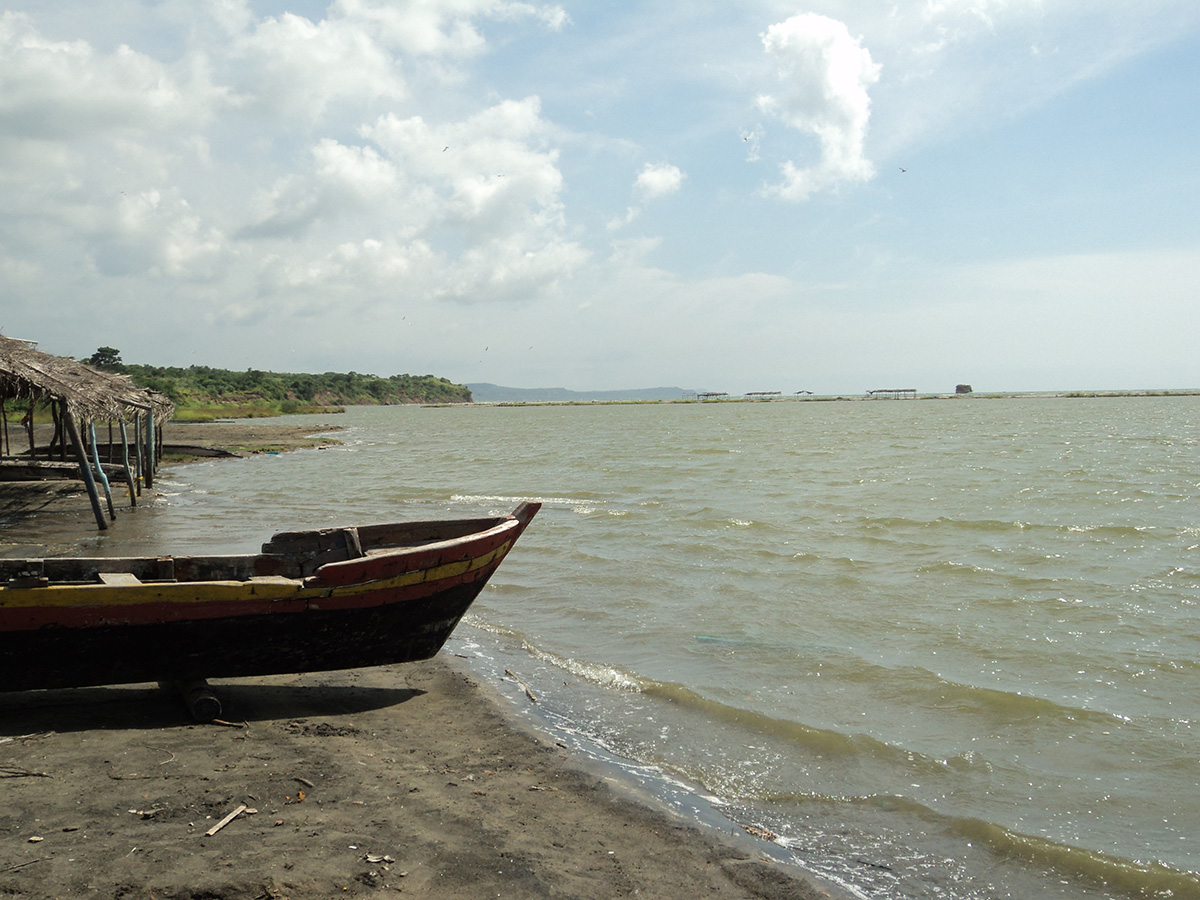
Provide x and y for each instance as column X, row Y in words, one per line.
column 204, row 393
column 212, row 412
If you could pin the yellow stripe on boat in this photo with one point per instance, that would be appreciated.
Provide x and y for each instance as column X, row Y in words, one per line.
column 271, row 588
column 437, row 573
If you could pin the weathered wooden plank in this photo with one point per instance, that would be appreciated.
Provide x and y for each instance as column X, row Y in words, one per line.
column 119, row 579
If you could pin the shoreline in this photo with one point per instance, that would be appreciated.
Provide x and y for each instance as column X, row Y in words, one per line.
column 366, row 782
column 780, row 397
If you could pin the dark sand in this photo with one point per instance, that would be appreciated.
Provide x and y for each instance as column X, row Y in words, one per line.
column 376, row 782
column 368, row 783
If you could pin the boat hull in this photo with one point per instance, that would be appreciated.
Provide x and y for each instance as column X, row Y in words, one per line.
column 228, row 647
column 385, row 604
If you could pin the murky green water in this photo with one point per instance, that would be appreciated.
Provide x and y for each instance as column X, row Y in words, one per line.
column 941, row 648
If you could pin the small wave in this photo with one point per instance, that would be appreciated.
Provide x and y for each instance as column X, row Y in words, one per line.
column 1114, row 531
column 886, row 802
column 1135, row 879
column 807, row 556
column 509, row 500
column 1105, row 530
column 595, row 673
column 1010, row 706
column 474, row 621
column 816, row 740
column 913, row 683
column 1126, row 877
column 956, row 568
column 577, row 505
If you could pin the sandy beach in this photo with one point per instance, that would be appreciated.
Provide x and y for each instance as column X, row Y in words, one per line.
column 411, row 779
column 372, row 782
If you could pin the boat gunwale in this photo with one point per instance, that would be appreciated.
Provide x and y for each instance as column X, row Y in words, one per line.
column 373, row 553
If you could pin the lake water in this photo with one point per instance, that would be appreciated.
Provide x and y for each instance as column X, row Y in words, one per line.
column 938, row 648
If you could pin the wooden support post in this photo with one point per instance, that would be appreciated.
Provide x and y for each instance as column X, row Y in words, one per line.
column 150, row 461
column 125, row 463
column 28, row 423
column 57, row 439
column 6, row 448
column 137, row 449
column 84, row 469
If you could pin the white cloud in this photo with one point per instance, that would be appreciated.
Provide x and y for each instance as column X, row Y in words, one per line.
column 490, row 173
column 232, row 16
column 64, row 90
column 824, row 76
column 358, row 172
column 159, row 236
column 143, row 169
column 654, row 181
column 466, row 209
column 89, row 144
column 439, row 29
column 618, row 222
column 296, row 68
column 412, row 161
column 422, row 29
column 659, row 180
column 343, row 180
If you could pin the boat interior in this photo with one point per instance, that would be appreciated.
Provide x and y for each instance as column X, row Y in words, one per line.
column 291, row 554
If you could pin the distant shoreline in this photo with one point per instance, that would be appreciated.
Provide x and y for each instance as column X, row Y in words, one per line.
column 827, row 398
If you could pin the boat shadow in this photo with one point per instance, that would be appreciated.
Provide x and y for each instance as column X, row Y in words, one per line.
column 142, row 706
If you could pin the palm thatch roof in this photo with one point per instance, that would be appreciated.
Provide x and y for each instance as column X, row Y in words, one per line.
column 90, row 394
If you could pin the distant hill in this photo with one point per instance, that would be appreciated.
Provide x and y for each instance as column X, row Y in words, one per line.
column 494, row 393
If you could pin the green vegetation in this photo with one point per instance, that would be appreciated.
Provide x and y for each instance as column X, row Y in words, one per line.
column 203, row 393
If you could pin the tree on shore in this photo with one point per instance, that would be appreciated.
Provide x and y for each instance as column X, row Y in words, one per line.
column 204, row 386
column 106, row 358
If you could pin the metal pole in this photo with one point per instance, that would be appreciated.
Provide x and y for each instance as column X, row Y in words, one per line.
column 100, row 469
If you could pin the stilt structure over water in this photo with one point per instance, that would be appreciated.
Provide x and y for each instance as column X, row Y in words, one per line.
column 893, row 393
column 79, row 397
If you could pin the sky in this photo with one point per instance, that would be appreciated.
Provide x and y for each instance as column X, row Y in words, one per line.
column 834, row 196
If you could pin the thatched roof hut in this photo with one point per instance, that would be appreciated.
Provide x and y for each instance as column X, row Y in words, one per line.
column 80, row 396
column 90, row 394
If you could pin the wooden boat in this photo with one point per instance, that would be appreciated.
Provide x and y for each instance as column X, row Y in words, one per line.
column 310, row 601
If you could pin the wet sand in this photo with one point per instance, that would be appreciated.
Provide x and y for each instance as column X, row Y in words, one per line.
column 410, row 779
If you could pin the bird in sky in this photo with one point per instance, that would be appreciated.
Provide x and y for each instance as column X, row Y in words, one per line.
column 902, row 169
